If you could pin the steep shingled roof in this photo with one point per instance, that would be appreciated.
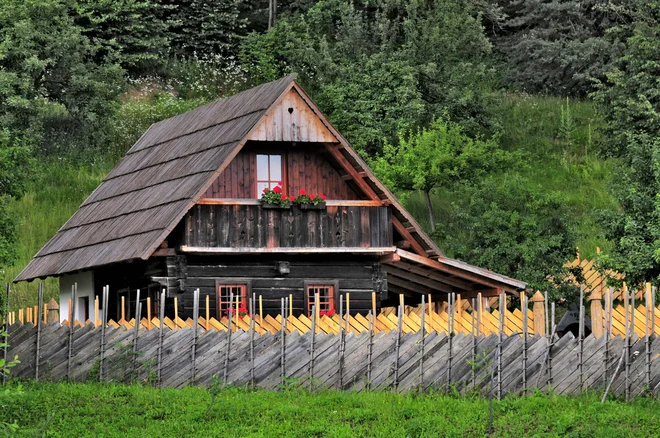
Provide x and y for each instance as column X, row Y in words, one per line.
column 169, row 168
column 150, row 190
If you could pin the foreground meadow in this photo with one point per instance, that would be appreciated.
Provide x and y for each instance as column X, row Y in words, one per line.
column 58, row 409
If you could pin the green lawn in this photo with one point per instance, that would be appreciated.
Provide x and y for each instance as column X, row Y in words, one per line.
column 76, row 410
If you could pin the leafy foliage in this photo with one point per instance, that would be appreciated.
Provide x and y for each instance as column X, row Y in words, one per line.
column 558, row 46
column 629, row 98
column 130, row 31
column 514, row 229
column 52, row 89
column 439, row 156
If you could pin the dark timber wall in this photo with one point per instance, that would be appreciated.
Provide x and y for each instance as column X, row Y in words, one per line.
column 239, row 226
column 359, row 276
column 305, row 168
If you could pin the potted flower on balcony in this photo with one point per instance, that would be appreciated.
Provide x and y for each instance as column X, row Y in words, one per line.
column 310, row 201
column 275, row 198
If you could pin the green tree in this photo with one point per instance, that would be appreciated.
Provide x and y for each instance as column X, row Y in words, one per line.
column 206, row 28
column 558, row 46
column 440, row 156
column 52, row 89
column 133, row 32
column 514, row 229
column 630, row 100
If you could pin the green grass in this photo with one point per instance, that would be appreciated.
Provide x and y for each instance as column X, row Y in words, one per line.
column 571, row 166
column 55, row 410
column 54, row 193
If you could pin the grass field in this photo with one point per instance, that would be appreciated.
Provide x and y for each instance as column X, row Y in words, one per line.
column 54, row 410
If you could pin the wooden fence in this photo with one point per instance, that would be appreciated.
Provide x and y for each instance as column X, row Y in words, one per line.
column 431, row 355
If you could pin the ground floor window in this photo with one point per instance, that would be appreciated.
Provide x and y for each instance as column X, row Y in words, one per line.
column 224, row 292
column 326, row 297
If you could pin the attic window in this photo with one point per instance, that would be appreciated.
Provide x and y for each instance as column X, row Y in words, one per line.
column 269, row 171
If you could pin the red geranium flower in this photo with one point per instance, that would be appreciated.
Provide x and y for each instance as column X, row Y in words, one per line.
column 277, row 189
column 312, row 197
column 266, row 189
column 292, row 198
column 283, row 197
column 303, row 192
column 279, row 183
column 322, row 196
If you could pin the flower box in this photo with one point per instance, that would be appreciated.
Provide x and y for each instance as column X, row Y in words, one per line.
column 319, row 206
column 269, row 206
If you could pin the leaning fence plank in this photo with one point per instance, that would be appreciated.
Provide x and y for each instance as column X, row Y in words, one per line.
column 138, row 318
column 450, row 338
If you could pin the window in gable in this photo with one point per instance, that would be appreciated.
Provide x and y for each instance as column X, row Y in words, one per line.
column 269, row 171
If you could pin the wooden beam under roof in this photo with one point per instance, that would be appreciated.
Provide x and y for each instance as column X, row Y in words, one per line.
column 287, row 250
column 418, row 279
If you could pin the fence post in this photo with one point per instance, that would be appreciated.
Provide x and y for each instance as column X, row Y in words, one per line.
column 539, row 313
column 282, row 345
column 499, row 347
column 340, row 370
column 395, row 386
column 627, row 340
column 39, row 324
column 225, row 368
column 581, row 339
column 72, row 318
column 310, row 370
column 160, row 335
column 525, row 328
column 53, row 312
column 4, row 349
column 104, row 322
column 451, row 308
column 595, row 298
column 193, row 352
column 608, row 332
column 475, row 334
column 252, row 303
column 138, row 317
column 648, row 336
column 422, row 342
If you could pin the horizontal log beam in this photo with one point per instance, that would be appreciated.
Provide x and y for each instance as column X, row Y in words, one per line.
column 434, row 285
column 328, row 203
column 333, row 250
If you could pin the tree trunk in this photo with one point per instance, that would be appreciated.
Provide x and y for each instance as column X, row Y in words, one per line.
column 427, row 195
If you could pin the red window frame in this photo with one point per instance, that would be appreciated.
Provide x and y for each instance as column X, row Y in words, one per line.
column 328, row 293
column 224, row 289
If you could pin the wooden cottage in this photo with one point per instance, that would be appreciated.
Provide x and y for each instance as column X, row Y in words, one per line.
column 181, row 211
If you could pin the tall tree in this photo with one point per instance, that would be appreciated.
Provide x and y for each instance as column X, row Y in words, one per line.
column 630, row 99
column 53, row 89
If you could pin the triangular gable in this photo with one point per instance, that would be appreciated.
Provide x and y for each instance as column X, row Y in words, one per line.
column 292, row 120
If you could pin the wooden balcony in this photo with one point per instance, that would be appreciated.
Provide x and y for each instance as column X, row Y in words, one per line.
column 244, row 226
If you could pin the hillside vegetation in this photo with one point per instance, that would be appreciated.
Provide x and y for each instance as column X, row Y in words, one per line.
column 529, row 127
column 50, row 409
column 530, row 124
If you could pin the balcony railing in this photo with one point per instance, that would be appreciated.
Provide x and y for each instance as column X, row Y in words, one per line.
column 244, row 225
